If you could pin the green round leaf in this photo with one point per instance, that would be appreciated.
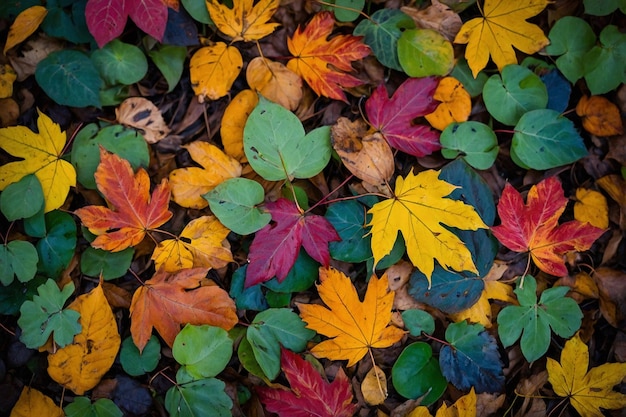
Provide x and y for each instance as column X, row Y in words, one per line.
column 95, row 262
column 544, row 139
column 416, row 373
column 245, row 353
column 120, row 63
column 571, row 38
column 205, row 397
column 604, row 7
column 347, row 10
column 18, row 258
column 56, row 249
column 198, row 10
column 170, row 60
column 425, row 52
column 518, row 90
column 137, row 363
column 605, row 64
column 250, row 298
column 463, row 73
column 349, row 219
column 126, row 143
column 67, row 23
column 418, row 321
column 22, row 199
column 474, row 141
column 82, row 407
column 381, row 33
column 300, row 278
column 277, row 148
column 203, row 351
column 234, row 202
column 69, row 78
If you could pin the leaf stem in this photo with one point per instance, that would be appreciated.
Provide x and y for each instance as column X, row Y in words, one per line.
column 332, row 192
column 380, row 387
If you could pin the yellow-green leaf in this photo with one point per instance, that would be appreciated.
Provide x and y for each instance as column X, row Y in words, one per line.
column 34, row 403
column 244, row 22
column 202, row 243
column 41, row 153
column 214, row 69
column 80, row 365
column 587, row 391
column 420, row 210
column 189, row 184
column 25, row 24
column 502, row 26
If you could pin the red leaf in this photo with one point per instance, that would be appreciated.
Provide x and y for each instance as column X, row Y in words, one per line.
column 393, row 117
column 310, row 395
column 149, row 16
column 275, row 247
column 105, row 19
column 534, row 228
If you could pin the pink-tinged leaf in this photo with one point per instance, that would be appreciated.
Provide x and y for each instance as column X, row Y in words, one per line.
column 105, row 19
column 394, row 117
column 149, row 16
column 275, row 247
column 310, row 395
column 533, row 227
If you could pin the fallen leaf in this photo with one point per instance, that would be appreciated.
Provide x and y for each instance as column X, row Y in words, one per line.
column 455, row 104
column 170, row 300
column 275, row 82
column 502, row 26
column 132, row 211
column 310, row 394
column 9, row 112
column 7, row 77
column 189, row 184
column 80, row 365
column 533, row 227
column 324, row 64
column 42, row 155
column 141, row 114
column 612, row 293
column 35, row 403
column 587, row 391
column 234, row 121
column 438, row 17
column 244, row 22
column 420, row 209
column 615, row 187
column 366, row 155
column 275, row 247
column 353, row 326
column 463, row 407
column 600, row 116
column 202, row 243
column 24, row 25
column 591, row 207
column 394, row 117
column 213, row 70
column 374, row 386
column 31, row 53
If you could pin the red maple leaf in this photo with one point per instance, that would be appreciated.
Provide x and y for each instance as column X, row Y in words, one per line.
column 310, row 395
column 132, row 210
column 106, row 18
column 533, row 227
column 394, row 117
column 275, row 247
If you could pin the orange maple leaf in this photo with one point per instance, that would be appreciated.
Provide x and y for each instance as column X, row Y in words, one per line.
column 168, row 301
column 323, row 63
column 131, row 212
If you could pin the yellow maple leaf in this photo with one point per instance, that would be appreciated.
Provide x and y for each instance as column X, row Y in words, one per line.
column 420, row 211
column 189, row 184
column 587, row 391
column 455, row 104
column 213, row 70
column 80, row 365
column 353, row 326
column 41, row 153
column 502, row 26
column 201, row 244
column 25, row 24
column 244, row 22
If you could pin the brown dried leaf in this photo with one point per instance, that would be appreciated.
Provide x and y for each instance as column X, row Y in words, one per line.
column 141, row 114
column 612, row 289
column 367, row 156
column 438, row 17
column 600, row 116
column 275, row 82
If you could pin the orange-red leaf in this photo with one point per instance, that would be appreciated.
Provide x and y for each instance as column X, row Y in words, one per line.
column 168, row 301
column 131, row 212
column 533, row 227
column 324, row 63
